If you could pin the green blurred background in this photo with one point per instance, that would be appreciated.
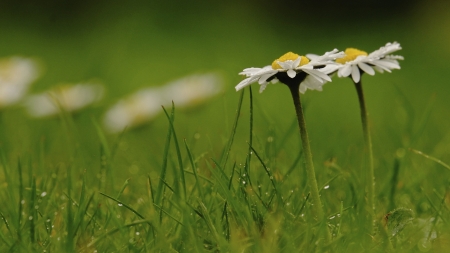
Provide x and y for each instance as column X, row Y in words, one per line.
column 130, row 45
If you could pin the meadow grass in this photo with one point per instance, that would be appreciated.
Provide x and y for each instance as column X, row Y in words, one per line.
column 228, row 176
column 245, row 198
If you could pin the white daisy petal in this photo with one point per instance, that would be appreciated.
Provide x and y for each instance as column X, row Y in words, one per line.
column 263, row 87
column 346, row 70
column 291, row 73
column 355, row 74
column 387, row 64
column 242, row 84
column 366, row 68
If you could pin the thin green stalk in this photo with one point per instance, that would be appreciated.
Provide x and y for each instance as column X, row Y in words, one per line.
column 312, row 182
column 370, row 178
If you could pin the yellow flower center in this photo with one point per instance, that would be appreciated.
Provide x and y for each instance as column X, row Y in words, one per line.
column 350, row 55
column 289, row 57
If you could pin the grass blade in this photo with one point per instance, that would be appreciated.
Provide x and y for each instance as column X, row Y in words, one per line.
column 268, row 173
column 120, row 203
column 177, row 147
column 125, row 184
column 160, row 189
column 431, row 158
column 135, row 223
column 226, row 151
column 194, row 169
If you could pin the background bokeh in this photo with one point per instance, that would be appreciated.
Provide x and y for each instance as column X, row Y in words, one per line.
column 127, row 46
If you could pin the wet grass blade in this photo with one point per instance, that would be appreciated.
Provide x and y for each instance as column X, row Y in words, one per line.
column 177, row 147
column 150, row 189
column 250, row 138
column 194, row 169
column 160, row 189
column 33, row 215
column 226, row 151
column 431, row 158
column 21, row 201
column 69, row 218
column 125, row 184
column 269, row 174
column 120, row 203
column 168, row 214
column 135, row 223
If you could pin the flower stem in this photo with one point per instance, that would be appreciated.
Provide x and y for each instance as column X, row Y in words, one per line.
column 370, row 178
column 312, row 182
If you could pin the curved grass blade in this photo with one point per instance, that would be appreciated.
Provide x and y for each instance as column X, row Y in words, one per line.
column 199, row 188
column 268, row 173
column 124, row 205
column 160, row 189
column 125, row 184
column 135, row 223
column 226, row 151
column 177, row 147
column 431, row 158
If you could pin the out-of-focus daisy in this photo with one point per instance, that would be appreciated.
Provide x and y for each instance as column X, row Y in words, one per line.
column 134, row 110
column 69, row 98
column 293, row 68
column 192, row 90
column 145, row 104
column 355, row 62
column 16, row 75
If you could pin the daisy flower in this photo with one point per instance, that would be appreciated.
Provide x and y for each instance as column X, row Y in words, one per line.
column 292, row 68
column 355, row 62
column 69, row 98
column 16, row 75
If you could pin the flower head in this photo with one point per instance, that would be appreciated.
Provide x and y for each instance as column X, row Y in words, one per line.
column 16, row 75
column 291, row 67
column 69, row 98
column 356, row 61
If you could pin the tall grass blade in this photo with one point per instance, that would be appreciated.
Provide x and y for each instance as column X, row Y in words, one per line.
column 269, row 174
column 160, row 190
column 226, row 151
column 177, row 147
column 33, row 215
column 21, row 202
column 69, row 218
column 194, row 169
column 250, row 138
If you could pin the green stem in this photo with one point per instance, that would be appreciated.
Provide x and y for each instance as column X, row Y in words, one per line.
column 370, row 178
column 312, row 182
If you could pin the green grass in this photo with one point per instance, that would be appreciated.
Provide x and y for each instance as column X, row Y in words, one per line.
column 225, row 176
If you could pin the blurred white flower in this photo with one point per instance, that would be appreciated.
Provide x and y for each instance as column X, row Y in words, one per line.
column 356, row 61
column 311, row 73
column 145, row 104
column 16, row 75
column 133, row 110
column 192, row 90
column 65, row 97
